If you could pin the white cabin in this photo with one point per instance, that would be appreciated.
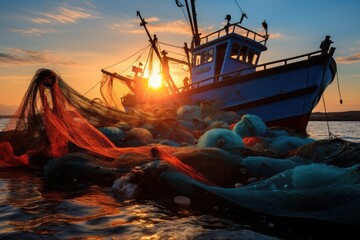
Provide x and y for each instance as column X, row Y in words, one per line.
column 226, row 51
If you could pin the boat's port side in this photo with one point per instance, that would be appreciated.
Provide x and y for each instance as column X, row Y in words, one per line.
column 285, row 91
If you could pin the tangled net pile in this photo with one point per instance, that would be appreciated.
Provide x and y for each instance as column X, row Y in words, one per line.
column 319, row 180
column 53, row 119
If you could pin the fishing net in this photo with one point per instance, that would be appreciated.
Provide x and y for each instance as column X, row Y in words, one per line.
column 107, row 92
column 52, row 115
column 314, row 191
column 53, row 120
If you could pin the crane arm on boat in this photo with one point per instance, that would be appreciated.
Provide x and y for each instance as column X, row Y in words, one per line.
column 128, row 81
column 172, row 87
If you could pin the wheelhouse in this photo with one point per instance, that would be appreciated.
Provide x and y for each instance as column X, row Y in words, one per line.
column 226, row 51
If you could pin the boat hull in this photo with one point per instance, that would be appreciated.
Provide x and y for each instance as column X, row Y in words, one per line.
column 282, row 96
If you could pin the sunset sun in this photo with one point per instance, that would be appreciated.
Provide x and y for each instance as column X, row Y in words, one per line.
column 155, row 80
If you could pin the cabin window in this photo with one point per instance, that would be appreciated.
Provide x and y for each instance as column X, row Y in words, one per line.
column 255, row 59
column 210, row 55
column 243, row 52
column 235, row 51
column 204, row 57
column 197, row 59
column 250, row 55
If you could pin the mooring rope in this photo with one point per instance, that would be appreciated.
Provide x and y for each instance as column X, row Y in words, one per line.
column 338, row 85
column 331, row 135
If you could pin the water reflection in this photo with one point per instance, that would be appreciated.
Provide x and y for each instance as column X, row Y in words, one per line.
column 34, row 209
column 29, row 210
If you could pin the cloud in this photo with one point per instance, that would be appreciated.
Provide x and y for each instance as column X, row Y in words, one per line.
column 29, row 57
column 152, row 19
column 64, row 15
column 34, row 31
column 355, row 49
column 275, row 35
column 175, row 27
column 354, row 58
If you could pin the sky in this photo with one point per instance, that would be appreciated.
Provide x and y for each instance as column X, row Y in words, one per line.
column 78, row 38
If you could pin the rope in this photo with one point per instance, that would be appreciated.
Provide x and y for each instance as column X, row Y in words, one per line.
column 327, row 119
column 143, row 49
column 92, row 88
column 167, row 44
column 137, row 59
column 149, row 57
column 239, row 7
column 338, row 85
column 175, row 53
column 331, row 135
column 186, row 18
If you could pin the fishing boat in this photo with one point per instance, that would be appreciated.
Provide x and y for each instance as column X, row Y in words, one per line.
column 225, row 65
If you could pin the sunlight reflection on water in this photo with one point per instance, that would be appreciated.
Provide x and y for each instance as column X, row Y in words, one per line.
column 347, row 130
column 31, row 212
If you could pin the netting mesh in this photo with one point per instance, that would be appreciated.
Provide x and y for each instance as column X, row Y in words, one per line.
column 107, row 92
column 53, row 119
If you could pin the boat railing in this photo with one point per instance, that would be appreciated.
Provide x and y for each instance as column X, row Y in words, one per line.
column 260, row 67
column 237, row 29
column 285, row 61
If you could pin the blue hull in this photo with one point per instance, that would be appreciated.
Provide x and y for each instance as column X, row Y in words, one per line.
column 283, row 95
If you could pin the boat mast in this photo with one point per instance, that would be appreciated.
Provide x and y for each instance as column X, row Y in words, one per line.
column 193, row 20
column 164, row 64
column 197, row 34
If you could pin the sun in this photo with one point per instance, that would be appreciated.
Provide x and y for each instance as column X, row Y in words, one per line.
column 155, row 80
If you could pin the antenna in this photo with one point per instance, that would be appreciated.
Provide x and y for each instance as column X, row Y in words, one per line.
column 192, row 19
column 243, row 15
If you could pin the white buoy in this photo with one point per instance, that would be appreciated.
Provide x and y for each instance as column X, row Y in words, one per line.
column 182, row 201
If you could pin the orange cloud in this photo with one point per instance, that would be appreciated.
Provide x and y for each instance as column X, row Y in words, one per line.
column 272, row 35
column 275, row 35
column 34, row 31
column 64, row 15
column 156, row 26
column 29, row 57
column 354, row 58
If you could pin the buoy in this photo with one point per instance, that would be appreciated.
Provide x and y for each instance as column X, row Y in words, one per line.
column 182, row 201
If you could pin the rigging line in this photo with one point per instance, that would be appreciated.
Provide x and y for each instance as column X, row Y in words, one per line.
column 137, row 59
column 118, row 63
column 338, row 85
column 186, row 18
column 143, row 49
column 146, row 63
column 176, row 53
column 327, row 118
column 238, row 6
column 167, row 44
column 92, row 87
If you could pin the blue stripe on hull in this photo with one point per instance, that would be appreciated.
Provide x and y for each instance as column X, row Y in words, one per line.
column 274, row 96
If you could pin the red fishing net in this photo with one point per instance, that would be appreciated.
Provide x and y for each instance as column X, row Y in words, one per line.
column 53, row 120
column 51, row 116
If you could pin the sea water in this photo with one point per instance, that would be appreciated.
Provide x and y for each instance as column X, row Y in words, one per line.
column 347, row 130
column 28, row 210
